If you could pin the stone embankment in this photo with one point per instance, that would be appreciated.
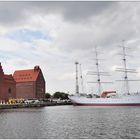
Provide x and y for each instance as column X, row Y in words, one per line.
column 42, row 104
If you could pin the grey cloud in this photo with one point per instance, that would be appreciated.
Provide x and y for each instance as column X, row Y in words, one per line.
column 107, row 31
column 12, row 13
column 18, row 12
column 106, row 24
column 76, row 11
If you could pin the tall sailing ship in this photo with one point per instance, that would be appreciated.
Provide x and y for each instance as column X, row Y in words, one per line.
column 108, row 98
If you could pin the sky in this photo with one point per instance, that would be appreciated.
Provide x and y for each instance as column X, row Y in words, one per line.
column 55, row 34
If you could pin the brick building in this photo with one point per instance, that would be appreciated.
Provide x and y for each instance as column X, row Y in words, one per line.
column 30, row 83
column 7, row 86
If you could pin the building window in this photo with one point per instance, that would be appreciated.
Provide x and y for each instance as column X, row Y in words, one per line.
column 9, row 90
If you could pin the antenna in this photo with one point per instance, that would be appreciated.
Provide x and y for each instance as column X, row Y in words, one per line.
column 77, row 86
column 81, row 76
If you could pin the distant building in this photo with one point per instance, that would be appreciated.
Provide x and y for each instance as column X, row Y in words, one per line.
column 30, row 83
column 7, row 86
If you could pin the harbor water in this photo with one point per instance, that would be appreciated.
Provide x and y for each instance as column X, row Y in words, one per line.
column 70, row 122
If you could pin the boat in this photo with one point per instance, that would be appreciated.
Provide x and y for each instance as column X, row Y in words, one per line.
column 111, row 97
column 127, row 100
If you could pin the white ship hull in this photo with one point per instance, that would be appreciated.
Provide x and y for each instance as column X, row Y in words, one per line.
column 127, row 100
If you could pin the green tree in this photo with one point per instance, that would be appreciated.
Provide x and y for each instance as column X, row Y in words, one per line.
column 60, row 95
column 47, row 95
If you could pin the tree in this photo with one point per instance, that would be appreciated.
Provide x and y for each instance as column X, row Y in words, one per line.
column 60, row 95
column 47, row 95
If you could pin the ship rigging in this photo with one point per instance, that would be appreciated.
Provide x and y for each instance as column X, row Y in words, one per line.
column 108, row 98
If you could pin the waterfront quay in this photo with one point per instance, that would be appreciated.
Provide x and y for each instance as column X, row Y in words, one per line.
column 30, row 105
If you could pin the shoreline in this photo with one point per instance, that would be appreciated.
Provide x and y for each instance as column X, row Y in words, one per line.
column 13, row 106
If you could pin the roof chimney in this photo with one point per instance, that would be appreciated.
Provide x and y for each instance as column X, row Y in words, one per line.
column 36, row 68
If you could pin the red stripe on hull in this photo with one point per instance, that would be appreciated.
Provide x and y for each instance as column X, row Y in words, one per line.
column 138, row 104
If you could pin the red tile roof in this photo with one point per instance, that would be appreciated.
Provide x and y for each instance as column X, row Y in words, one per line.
column 26, row 75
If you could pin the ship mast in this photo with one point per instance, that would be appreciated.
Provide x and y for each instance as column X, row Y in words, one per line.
column 125, row 70
column 81, row 76
column 77, row 85
column 98, row 73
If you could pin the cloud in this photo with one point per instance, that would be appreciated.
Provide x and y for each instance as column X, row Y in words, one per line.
column 67, row 76
column 56, row 34
column 19, row 12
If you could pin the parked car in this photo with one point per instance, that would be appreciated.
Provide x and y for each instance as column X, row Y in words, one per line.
column 32, row 101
